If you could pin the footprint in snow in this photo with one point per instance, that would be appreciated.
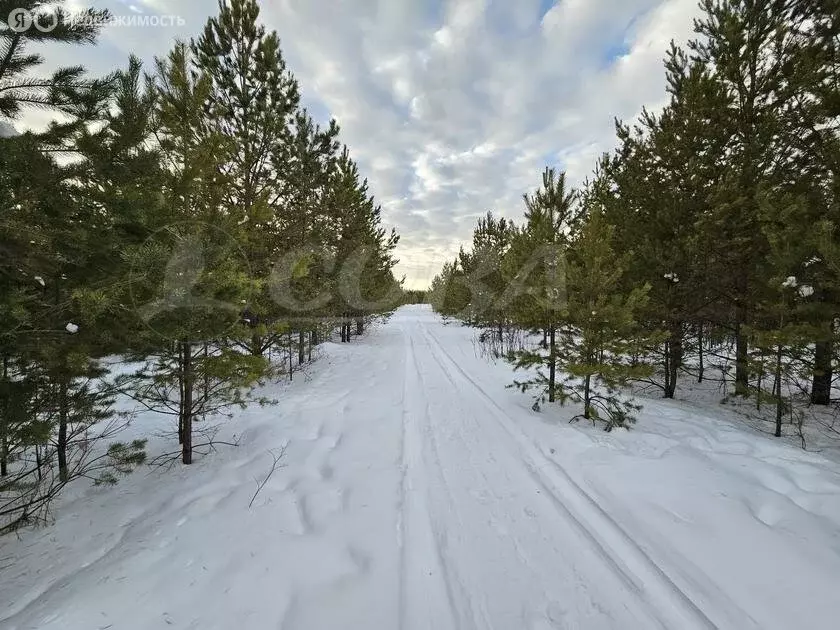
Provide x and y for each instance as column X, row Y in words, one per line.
column 553, row 618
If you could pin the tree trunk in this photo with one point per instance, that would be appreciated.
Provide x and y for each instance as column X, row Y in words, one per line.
column 256, row 345
column 205, row 390
column 742, row 372
column 823, row 373
column 181, row 394
column 700, row 351
column 312, row 337
column 4, row 420
column 187, row 408
column 552, row 367
column 301, row 348
column 63, row 412
column 673, row 359
column 760, row 384
column 779, row 399
column 4, row 452
column 360, row 326
column 291, row 354
column 587, row 391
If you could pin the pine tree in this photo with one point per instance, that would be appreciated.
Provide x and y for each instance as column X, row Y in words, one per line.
column 363, row 283
column 299, row 285
column 749, row 45
column 449, row 293
column 190, row 279
column 57, row 233
column 656, row 190
column 787, row 318
column 485, row 280
column 30, row 196
column 598, row 331
column 534, row 267
column 256, row 99
column 812, row 128
column 67, row 90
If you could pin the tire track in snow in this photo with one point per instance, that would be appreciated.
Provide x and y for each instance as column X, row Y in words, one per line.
column 401, row 526
column 413, row 510
column 513, row 547
column 474, row 602
column 670, row 604
column 463, row 612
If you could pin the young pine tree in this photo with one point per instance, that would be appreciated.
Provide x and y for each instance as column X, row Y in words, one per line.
column 656, row 190
column 535, row 270
column 483, row 267
column 190, row 279
column 363, row 283
column 449, row 294
column 597, row 332
column 55, row 234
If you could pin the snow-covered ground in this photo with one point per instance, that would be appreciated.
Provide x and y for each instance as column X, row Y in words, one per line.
column 417, row 492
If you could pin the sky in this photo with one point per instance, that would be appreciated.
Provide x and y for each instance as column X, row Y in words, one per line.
column 452, row 108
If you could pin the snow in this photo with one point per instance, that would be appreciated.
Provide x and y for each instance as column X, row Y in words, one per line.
column 40, row 281
column 71, row 328
column 417, row 492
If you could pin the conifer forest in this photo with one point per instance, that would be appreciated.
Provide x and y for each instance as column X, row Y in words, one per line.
column 191, row 215
column 256, row 373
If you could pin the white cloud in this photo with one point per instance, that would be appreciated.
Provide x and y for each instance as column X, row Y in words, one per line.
column 453, row 109
column 7, row 130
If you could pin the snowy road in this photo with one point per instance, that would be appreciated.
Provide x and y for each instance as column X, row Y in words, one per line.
column 420, row 494
column 510, row 541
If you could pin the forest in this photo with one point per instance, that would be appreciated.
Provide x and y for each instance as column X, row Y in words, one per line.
column 705, row 246
column 190, row 218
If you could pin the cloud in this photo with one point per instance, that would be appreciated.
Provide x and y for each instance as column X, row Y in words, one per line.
column 7, row 130
column 453, row 107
